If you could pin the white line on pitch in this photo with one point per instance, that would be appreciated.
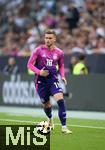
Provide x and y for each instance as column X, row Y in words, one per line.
column 57, row 124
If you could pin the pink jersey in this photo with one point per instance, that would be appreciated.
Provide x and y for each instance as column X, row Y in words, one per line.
column 47, row 59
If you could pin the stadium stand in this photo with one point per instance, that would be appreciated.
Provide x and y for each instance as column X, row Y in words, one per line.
column 80, row 26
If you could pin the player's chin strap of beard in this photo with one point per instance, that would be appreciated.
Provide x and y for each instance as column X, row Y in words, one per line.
column 49, row 46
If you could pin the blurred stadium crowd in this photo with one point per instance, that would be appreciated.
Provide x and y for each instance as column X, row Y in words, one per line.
column 79, row 24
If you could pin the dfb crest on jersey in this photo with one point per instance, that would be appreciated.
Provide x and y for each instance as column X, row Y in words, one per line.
column 44, row 55
column 55, row 56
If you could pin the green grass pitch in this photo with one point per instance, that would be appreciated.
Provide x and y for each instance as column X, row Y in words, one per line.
column 87, row 134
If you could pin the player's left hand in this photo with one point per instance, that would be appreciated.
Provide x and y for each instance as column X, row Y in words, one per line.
column 64, row 80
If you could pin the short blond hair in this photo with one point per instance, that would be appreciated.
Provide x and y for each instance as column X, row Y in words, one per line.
column 50, row 31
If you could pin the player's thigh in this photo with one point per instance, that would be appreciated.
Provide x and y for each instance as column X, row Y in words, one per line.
column 58, row 96
column 56, row 91
column 43, row 93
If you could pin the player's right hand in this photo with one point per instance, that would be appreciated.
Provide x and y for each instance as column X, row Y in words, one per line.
column 44, row 73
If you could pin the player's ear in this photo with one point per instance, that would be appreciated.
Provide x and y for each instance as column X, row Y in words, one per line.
column 54, row 39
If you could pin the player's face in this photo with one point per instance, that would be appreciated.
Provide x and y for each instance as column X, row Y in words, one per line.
column 50, row 39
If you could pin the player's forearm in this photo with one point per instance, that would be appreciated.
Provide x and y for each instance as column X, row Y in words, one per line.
column 61, row 71
column 33, row 68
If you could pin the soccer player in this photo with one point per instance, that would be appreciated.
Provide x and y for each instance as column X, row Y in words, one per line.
column 43, row 62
